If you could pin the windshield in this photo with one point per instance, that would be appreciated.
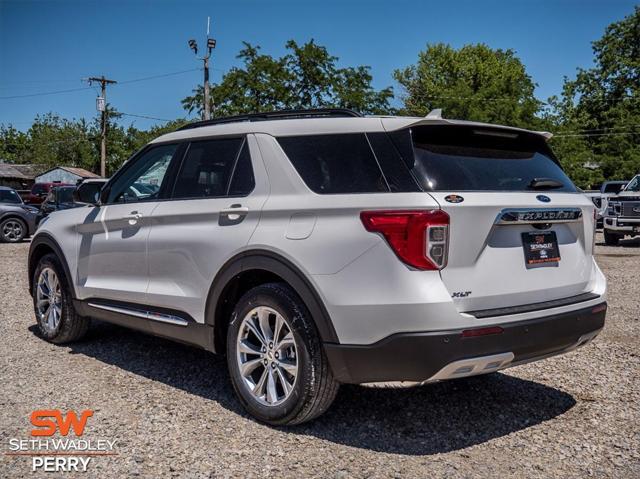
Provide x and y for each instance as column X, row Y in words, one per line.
column 38, row 189
column 612, row 187
column 634, row 184
column 451, row 158
column 10, row 196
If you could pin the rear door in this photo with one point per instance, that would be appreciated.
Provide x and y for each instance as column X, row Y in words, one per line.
column 520, row 232
column 214, row 208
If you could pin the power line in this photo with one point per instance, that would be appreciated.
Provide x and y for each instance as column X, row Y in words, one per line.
column 56, row 92
column 46, row 93
column 143, row 116
column 159, row 76
column 596, row 134
column 602, row 130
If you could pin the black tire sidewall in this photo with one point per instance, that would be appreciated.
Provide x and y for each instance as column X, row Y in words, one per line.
column 67, row 313
column 24, row 230
column 284, row 301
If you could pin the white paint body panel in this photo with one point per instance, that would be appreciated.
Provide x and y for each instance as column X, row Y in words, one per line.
column 171, row 259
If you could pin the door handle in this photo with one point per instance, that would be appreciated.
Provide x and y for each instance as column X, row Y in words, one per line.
column 133, row 218
column 233, row 215
column 235, row 210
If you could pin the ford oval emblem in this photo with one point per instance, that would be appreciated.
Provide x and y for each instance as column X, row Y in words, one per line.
column 454, row 199
column 543, row 198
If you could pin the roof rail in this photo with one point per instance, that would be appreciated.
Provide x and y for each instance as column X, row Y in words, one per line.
column 275, row 115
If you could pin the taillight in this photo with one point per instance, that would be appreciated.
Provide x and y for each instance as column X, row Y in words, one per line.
column 419, row 238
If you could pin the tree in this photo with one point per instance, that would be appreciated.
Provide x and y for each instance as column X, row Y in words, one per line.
column 13, row 144
column 54, row 141
column 472, row 83
column 306, row 77
column 602, row 104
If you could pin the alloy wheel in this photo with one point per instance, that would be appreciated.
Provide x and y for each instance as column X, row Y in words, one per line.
column 12, row 230
column 267, row 356
column 49, row 300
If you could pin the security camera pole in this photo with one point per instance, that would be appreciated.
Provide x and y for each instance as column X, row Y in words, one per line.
column 101, row 105
column 211, row 44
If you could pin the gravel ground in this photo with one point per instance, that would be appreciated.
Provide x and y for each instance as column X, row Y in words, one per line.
column 172, row 410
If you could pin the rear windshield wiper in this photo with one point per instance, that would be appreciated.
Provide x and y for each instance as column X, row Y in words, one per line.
column 544, row 184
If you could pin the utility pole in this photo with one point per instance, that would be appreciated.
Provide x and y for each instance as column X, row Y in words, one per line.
column 211, row 44
column 102, row 106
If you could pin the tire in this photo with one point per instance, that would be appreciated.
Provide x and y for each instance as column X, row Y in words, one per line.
column 12, row 230
column 611, row 239
column 70, row 326
column 312, row 389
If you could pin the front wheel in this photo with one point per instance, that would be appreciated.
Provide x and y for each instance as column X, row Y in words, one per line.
column 278, row 368
column 57, row 319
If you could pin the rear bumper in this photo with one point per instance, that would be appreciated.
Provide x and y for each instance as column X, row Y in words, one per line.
column 437, row 355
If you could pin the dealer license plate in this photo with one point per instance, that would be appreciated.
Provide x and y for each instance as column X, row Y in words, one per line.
column 540, row 247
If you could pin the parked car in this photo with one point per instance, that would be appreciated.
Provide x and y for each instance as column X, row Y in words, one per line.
column 39, row 192
column 623, row 213
column 59, row 198
column 601, row 197
column 17, row 220
column 320, row 247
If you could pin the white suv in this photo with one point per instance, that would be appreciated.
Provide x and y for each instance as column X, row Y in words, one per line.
column 321, row 247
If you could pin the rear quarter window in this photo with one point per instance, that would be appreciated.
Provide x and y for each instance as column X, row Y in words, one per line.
column 335, row 164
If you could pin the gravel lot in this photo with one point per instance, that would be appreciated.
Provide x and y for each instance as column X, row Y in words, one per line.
column 173, row 413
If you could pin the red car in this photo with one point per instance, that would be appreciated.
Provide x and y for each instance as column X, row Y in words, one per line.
column 39, row 192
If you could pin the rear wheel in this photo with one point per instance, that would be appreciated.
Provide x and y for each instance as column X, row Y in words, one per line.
column 12, row 230
column 278, row 368
column 611, row 239
column 57, row 319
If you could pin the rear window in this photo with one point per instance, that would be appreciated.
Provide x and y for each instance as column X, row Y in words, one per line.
column 334, row 164
column 452, row 158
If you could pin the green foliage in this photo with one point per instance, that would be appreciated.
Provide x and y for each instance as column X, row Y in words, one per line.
column 473, row 83
column 596, row 118
column 54, row 141
column 604, row 103
column 306, row 77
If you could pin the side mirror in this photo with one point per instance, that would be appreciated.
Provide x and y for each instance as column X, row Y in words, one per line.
column 88, row 193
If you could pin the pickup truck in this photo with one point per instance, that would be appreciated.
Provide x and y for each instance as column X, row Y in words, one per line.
column 622, row 215
column 601, row 197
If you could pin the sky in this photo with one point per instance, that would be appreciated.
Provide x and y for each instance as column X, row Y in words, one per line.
column 51, row 45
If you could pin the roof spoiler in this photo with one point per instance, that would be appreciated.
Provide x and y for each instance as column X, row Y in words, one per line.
column 434, row 117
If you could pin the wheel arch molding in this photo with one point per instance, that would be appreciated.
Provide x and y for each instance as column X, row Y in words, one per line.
column 252, row 268
column 41, row 245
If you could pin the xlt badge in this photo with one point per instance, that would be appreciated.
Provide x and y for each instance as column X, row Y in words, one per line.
column 461, row 294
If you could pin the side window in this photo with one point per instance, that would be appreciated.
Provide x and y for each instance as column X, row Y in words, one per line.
column 243, row 180
column 207, row 168
column 142, row 181
column 333, row 164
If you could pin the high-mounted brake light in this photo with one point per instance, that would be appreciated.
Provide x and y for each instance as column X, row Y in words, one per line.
column 419, row 238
